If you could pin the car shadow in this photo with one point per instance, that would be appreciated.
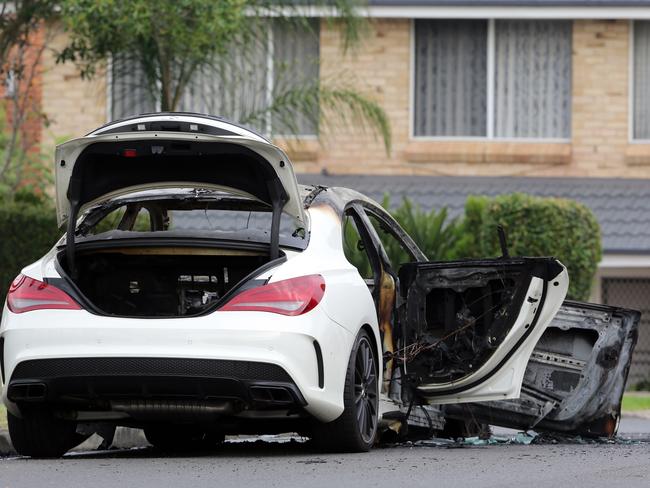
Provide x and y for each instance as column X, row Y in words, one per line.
column 244, row 449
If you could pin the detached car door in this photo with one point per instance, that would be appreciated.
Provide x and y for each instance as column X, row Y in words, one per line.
column 468, row 327
column 575, row 378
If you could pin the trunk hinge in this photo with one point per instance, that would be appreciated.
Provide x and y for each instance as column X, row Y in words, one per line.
column 74, row 193
column 69, row 241
column 275, row 229
column 278, row 199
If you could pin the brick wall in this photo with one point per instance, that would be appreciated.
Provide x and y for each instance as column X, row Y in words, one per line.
column 22, row 108
column 379, row 68
column 600, row 98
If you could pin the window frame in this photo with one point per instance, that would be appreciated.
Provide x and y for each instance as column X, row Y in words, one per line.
column 490, row 119
column 410, row 248
column 631, row 85
column 354, row 211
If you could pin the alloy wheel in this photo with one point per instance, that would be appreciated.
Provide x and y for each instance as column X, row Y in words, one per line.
column 366, row 390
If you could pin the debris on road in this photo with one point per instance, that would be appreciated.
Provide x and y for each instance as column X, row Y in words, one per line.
column 520, row 438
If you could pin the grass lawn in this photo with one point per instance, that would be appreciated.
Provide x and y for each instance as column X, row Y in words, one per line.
column 3, row 417
column 636, row 401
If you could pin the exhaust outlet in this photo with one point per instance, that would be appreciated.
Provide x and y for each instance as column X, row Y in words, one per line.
column 27, row 392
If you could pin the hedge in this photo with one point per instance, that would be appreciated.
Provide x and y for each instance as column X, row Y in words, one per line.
column 536, row 226
column 27, row 231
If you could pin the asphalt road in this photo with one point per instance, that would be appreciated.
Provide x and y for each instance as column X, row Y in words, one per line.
column 293, row 464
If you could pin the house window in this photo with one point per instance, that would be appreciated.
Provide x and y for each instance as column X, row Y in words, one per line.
column 505, row 79
column 129, row 92
column 641, row 81
column 242, row 86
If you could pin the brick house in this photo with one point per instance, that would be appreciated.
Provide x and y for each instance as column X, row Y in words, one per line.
column 472, row 87
column 519, row 89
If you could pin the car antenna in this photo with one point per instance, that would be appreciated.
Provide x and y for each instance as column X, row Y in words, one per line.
column 503, row 242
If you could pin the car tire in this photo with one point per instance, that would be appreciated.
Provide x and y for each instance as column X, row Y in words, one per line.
column 356, row 429
column 39, row 434
column 173, row 438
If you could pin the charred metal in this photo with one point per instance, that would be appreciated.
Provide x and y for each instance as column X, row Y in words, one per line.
column 575, row 378
column 460, row 312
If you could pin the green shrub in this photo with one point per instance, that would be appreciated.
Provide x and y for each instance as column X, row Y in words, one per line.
column 28, row 231
column 536, row 226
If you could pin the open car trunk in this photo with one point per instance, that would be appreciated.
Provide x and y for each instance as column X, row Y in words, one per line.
column 575, row 377
column 213, row 167
column 161, row 281
column 173, row 151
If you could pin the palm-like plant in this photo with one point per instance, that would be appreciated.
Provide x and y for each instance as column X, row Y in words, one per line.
column 434, row 233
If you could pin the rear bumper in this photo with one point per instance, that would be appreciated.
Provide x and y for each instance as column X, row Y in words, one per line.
column 258, row 360
column 100, row 383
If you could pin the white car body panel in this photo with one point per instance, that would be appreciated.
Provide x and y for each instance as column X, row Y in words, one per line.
column 244, row 336
column 214, row 122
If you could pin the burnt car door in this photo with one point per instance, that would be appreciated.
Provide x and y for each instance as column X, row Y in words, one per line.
column 469, row 326
column 575, row 377
column 464, row 330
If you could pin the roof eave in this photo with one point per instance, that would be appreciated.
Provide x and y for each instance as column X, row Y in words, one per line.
column 504, row 9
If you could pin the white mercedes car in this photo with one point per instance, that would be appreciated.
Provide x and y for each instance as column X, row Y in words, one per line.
column 199, row 292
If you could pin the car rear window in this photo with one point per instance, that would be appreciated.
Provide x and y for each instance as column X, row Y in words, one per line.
column 214, row 215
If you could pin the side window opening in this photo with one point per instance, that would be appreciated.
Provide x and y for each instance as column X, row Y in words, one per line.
column 126, row 217
column 355, row 250
column 396, row 251
column 215, row 213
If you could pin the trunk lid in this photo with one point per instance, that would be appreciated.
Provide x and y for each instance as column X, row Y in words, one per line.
column 164, row 150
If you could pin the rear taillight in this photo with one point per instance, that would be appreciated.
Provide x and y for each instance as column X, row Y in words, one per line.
column 287, row 297
column 26, row 294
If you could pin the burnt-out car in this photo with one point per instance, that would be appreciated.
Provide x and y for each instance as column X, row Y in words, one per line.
column 446, row 317
column 200, row 291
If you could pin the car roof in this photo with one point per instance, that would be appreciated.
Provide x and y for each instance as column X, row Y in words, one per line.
column 311, row 194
